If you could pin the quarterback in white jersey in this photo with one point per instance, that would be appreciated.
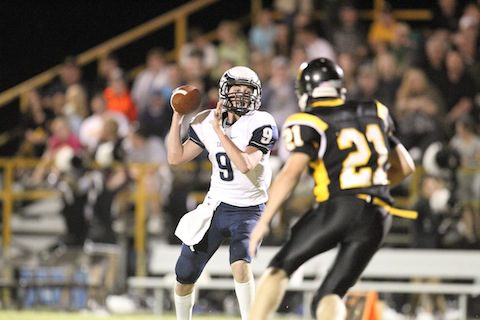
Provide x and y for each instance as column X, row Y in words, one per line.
column 238, row 139
column 229, row 183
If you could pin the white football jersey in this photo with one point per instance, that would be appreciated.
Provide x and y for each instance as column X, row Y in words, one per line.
column 228, row 184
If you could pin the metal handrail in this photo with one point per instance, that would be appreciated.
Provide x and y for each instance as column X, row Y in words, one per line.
column 9, row 195
column 139, row 196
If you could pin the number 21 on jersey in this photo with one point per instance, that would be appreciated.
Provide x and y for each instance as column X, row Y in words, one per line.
column 355, row 172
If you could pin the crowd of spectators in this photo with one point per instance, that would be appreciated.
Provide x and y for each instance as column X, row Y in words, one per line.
column 427, row 75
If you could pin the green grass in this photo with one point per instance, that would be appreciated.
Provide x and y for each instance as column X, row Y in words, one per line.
column 60, row 315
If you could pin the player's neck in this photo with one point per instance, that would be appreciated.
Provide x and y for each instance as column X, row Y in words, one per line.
column 230, row 119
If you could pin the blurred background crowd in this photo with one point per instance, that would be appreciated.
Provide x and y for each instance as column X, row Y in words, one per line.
column 98, row 138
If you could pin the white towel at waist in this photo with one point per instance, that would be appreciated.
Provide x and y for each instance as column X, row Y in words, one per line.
column 194, row 224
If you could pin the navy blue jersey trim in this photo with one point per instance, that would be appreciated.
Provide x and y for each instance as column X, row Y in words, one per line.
column 192, row 135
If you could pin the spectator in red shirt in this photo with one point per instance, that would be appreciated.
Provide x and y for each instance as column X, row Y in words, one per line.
column 61, row 137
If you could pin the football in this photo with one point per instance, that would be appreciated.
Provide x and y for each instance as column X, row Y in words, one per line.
column 185, row 99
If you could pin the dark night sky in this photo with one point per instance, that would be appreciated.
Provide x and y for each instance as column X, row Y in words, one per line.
column 37, row 34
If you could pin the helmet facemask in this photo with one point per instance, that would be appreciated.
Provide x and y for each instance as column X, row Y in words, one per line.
column 240, row 103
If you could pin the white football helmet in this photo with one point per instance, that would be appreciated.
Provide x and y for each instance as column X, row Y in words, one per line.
column 238, row 102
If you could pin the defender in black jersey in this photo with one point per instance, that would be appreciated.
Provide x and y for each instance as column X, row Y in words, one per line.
column 351, row 152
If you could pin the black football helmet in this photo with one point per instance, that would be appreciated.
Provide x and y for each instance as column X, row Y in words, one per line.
column 319, row 79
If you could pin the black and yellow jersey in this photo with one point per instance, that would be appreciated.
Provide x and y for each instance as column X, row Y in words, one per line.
column 347, row 142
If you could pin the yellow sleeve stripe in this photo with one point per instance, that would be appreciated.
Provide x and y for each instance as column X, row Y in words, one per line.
column 382, row 112
column 307, row 119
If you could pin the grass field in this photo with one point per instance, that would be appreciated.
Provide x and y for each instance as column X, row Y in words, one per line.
column 58, row 315
column 51, row 315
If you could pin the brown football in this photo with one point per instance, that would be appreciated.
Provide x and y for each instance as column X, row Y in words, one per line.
column 185, row 99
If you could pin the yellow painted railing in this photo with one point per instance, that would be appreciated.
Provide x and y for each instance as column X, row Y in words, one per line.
column 9, row 195
column 139, row 196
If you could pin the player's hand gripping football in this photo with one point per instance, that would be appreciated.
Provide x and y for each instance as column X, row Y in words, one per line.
column 259, row 232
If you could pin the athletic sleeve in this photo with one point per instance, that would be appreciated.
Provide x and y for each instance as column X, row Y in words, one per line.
column 192, row 135
column 195, row 129
column 384, row 114
column 304, row 132
column 390, row 125
column 303, row 138
column 264, row 138
column 393, row 141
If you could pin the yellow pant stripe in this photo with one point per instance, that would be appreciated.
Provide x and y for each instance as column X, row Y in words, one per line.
column 408, row 214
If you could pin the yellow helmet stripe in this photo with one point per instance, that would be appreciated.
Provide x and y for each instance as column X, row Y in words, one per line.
column 328, row 103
